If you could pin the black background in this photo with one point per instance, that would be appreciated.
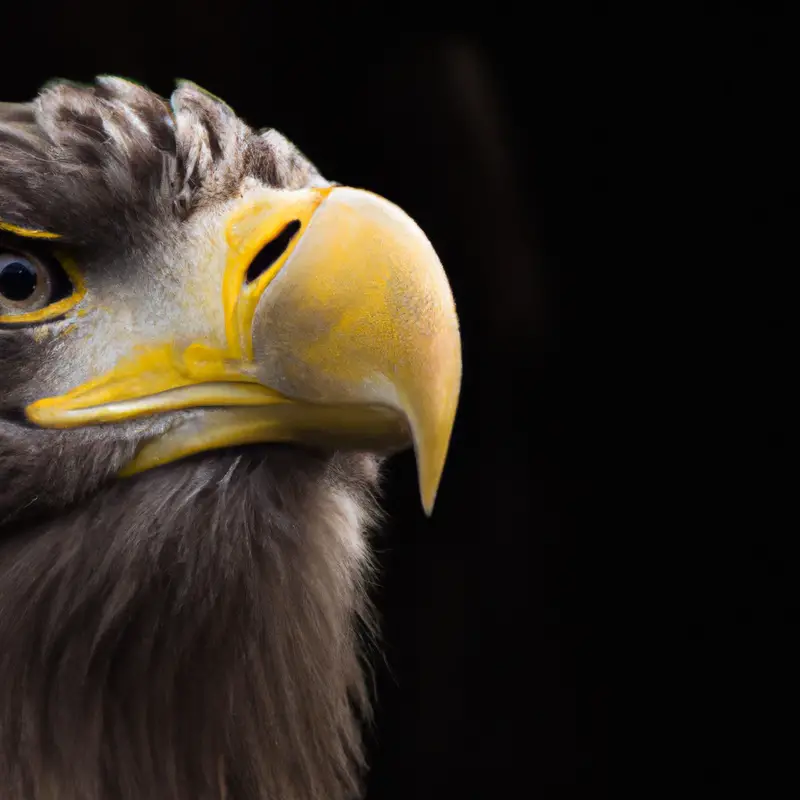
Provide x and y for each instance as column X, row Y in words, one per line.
column 606, row 194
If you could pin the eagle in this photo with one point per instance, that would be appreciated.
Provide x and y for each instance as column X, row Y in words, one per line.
column 207, row 351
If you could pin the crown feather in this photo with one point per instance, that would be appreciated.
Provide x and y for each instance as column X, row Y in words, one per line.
column 112, row 161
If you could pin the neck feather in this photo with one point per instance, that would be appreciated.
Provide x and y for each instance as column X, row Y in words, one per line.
column 192, row 633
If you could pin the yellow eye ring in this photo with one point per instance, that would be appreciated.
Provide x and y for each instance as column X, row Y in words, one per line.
column 58, row 308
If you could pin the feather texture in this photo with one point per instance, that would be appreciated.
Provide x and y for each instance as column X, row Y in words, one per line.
column 193, row 633
column 118, row 156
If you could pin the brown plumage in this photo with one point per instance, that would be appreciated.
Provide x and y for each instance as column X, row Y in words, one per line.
column 197, row 630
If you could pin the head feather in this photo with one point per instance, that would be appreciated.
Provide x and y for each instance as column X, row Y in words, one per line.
column 195, row 631
column 112, row 160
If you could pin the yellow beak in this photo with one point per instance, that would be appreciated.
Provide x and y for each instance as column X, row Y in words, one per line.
column 346, row 335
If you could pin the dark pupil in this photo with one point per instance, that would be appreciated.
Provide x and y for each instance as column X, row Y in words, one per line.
column 17, row 281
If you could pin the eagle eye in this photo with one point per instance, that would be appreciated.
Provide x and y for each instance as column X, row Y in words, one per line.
column 33, row 287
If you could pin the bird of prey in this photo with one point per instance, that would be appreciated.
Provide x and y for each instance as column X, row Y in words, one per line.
column 206, row 352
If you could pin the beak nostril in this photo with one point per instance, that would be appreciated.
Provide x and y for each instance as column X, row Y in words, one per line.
column 272, row 251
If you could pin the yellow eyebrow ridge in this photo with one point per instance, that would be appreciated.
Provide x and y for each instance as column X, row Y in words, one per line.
column 28, row 233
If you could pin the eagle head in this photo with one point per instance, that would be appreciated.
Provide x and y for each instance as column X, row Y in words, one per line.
column 206, row 350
